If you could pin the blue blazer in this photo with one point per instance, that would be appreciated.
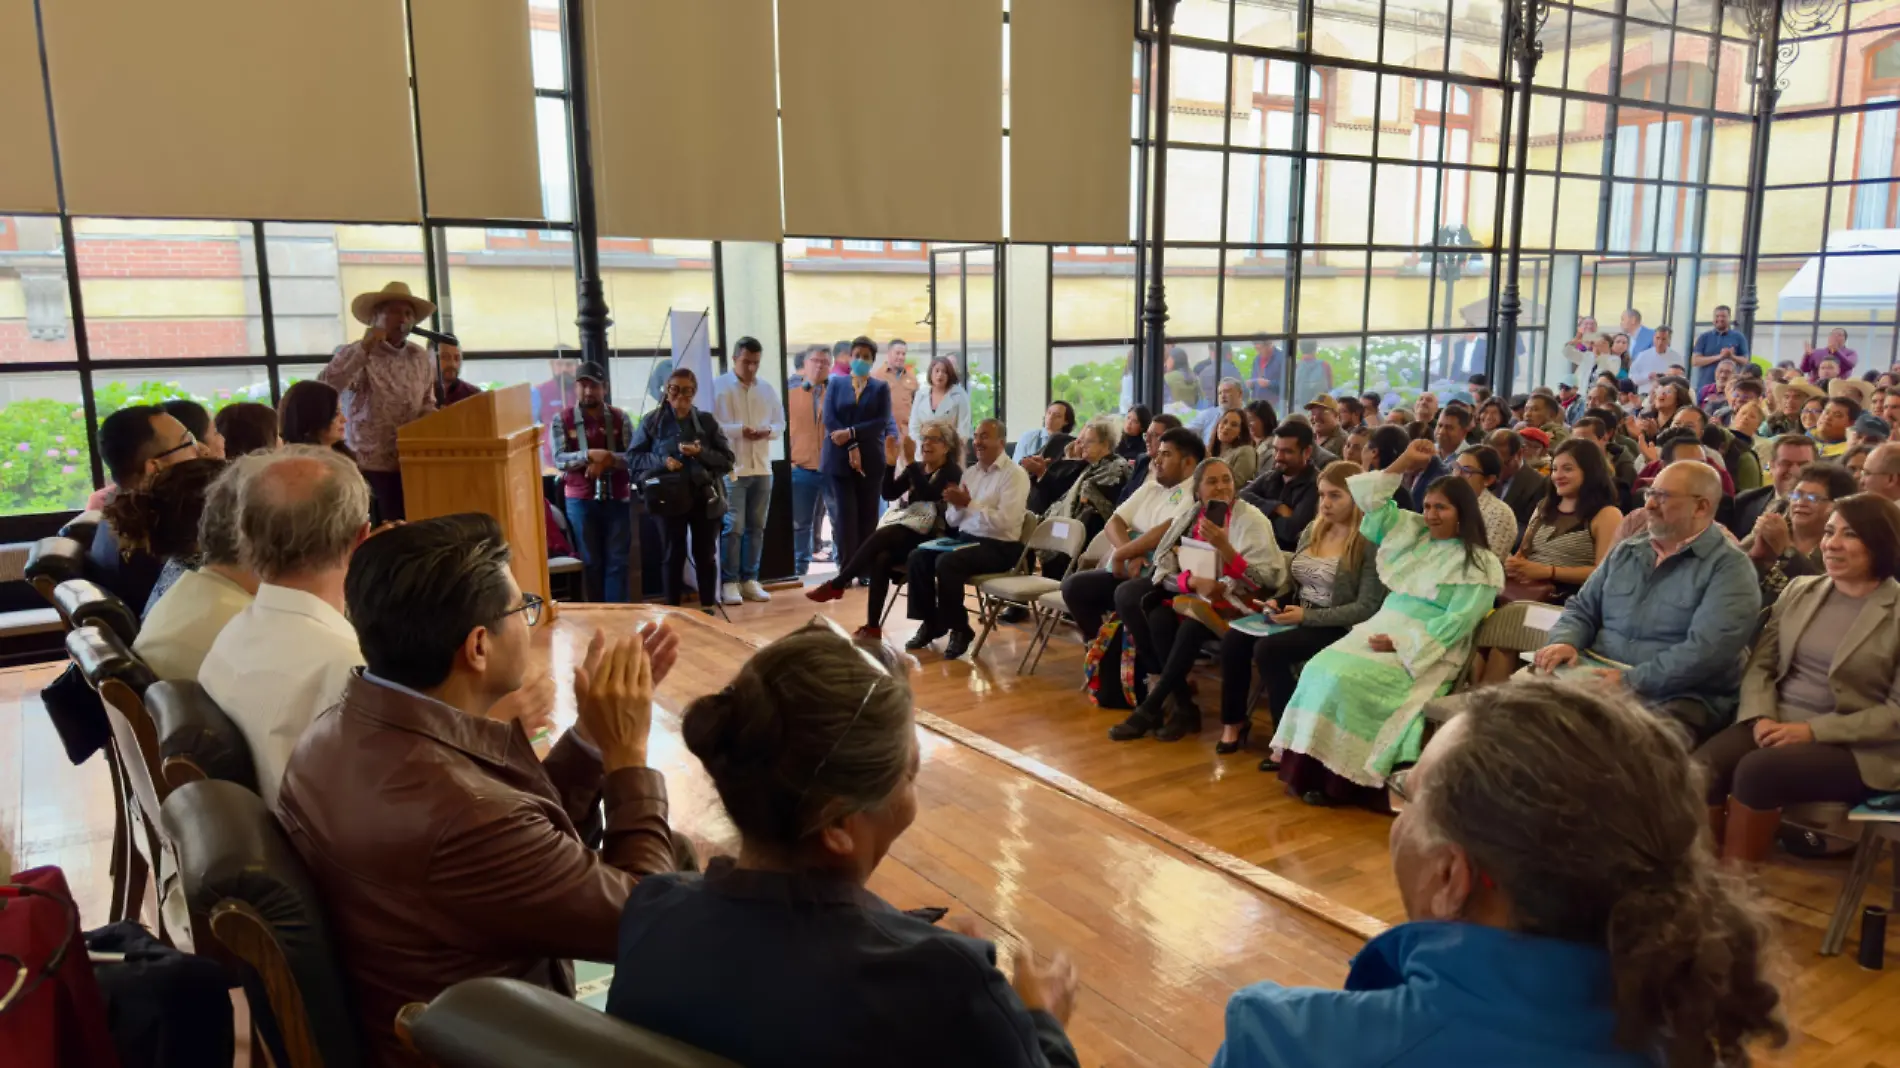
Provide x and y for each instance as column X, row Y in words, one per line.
column 867, row 418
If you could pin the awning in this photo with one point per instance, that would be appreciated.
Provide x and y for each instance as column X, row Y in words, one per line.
column 1859, row 281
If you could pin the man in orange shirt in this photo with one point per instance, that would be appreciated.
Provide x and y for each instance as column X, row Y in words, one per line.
column 895, row 372
column 804, row 435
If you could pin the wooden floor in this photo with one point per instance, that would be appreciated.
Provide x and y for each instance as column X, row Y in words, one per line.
column 1173, row 875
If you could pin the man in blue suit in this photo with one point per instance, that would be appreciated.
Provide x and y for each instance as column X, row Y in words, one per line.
column 857, row 417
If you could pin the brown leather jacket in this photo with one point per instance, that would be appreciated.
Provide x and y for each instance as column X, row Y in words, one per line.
column 445, row 851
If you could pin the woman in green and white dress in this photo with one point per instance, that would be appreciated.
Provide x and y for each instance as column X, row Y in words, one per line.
column 1356, row 712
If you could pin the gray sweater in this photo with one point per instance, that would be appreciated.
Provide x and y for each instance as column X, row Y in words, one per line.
column 1356, row 594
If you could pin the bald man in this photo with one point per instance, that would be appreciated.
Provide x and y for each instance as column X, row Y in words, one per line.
column 1881, row 475
column 1668, row 615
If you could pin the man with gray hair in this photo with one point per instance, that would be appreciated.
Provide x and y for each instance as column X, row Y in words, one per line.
column 301, row 512
column 1669, row 615
column 183, row 623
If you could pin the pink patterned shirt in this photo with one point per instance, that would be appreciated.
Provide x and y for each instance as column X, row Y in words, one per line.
column 381, row 391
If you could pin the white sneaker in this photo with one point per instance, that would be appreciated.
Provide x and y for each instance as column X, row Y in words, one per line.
column 753, row 591
column 729, row 594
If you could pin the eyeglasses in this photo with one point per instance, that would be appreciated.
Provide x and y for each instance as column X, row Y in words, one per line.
column 1665, row 496
column 1809, row 498
column 190, row 442
column 883, row 676
column 530, row 609
column 1395, row 787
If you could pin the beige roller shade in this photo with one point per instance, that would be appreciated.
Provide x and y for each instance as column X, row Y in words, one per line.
column 685, row 139
column 26, row 160
column 231, row 109
column 475, row 90
column 1070, row 64
column 893, row 117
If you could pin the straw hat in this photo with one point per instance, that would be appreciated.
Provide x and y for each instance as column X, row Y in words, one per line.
column 1852, row 388
column 365, row 305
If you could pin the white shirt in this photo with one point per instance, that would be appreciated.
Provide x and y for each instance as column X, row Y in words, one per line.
column 955, row 410
column 738, row 407
column 1652, row 364
column 274, row 667
column 999, row 499
column 1154, row 505
column 183, row 624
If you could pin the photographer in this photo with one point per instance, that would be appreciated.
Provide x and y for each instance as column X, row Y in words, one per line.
column 590, row 442
column 680, row 458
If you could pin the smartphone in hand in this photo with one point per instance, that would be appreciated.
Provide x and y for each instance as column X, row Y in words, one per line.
column 1216, row 513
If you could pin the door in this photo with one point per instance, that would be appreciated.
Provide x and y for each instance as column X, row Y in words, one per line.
column 966, row 313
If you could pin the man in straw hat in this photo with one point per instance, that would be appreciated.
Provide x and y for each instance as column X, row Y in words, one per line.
column 387, row 381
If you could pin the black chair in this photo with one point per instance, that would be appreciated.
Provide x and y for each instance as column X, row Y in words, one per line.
column 506, row 1023
column 196, row 740
column 81, row 528
column 120, row 679
column 250, row 892
column 52, row 561
column 83, row 601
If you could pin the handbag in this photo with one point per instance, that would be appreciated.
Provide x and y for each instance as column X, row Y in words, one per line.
column 918, row 517
column 669, row 493
column 51, row 1010
column 1541, row 591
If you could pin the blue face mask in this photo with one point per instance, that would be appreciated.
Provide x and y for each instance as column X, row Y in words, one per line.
column 861, row 368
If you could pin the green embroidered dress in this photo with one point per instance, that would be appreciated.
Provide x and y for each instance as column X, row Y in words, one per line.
column 1358, row 711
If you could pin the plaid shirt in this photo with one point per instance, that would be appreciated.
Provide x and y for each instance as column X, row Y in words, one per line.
column 381, row 391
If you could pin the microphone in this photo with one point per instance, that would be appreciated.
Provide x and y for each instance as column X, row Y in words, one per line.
column 440, row 339
column 441, row 384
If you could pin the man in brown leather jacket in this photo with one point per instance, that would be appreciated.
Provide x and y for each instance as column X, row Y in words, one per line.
column 443, row 849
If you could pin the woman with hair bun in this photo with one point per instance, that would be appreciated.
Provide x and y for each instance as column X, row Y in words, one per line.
column 781, row 957
column 1563, row 910
column 161, row 516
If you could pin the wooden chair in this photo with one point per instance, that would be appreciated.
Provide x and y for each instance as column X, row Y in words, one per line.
column 196, row 740
column 51, row 562
column 250, row 893
column 1021, row 586
column 121, row 679
column 505, row 1023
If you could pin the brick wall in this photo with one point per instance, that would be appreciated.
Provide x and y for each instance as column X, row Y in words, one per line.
column 114, row 257
column 132, row 339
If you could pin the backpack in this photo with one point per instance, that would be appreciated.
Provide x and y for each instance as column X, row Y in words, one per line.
column 1114, row 647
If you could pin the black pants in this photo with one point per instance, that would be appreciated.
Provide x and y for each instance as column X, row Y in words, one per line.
column 1090, row 595
column 1177, row 659
column 1780, row 776
column 1276, row 656
column 705, row 547
column 1147, row 613
column 886, row 548
column 854, row 507
column 937, row 580
column 385, row 492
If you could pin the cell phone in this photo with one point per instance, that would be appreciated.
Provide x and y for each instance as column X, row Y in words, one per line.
column 1216, row 513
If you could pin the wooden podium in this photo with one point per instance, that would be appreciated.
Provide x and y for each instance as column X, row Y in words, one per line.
column 482, row 454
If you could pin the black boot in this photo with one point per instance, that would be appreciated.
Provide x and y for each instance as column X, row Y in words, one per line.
column 1139, row 722
column 1186, row 720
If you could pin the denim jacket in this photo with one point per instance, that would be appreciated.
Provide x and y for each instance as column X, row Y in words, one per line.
column 658, row 438
column 1683, row 627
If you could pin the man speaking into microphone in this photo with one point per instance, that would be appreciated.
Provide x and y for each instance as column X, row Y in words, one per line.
column 387, row 381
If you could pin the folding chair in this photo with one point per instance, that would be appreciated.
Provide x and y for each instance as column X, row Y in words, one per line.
column 1021, row 586
column 1878, row 829
column 1050, row 611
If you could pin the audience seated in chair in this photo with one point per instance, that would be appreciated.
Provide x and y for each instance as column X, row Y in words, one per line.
column 1136, row 528
column 1519, row 485
column 986, row 517
column 1335, row 586
column 302, row 510
column 1572, row 530
column 161, row 518
column 1151, row 440
column 781, row 958
column 919, row 485
column 1090, row 498
column 1787, row 545
column 1881, row 473
column 1478, row 465
column 1668, row 616
column 1792, row 452
column 1673, row 447
column 443, row 848
column 137, row 442
column 1562, row 913
column 1356, row 713
column 1250, row 568
column 182, row 623
column 1818, row 719
column 1288, row 494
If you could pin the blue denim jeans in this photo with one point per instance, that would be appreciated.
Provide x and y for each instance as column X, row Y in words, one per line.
column 603, row 534
column 808, row 511
column 742, row 541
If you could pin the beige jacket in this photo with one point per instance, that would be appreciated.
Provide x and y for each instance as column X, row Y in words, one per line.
column 1864, row 674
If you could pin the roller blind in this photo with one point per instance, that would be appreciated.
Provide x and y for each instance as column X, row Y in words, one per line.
column 1070, row 101
column 222, row 109
column 892, row 118
column 475, row 90
column 26, row 169
column 685, row 135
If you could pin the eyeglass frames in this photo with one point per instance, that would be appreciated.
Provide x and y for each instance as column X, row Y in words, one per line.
column 530, row 609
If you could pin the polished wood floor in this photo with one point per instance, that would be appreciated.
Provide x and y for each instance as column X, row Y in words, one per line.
column 1173, row 875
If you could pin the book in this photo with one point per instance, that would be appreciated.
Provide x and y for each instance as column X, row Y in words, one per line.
column 1260, row 626
column 1197, row 558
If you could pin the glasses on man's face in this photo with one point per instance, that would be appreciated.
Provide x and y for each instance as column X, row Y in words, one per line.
column 530, row 609
column 1803, row 497
column 190, row 442
column 1663, row 497
column 1397, row 796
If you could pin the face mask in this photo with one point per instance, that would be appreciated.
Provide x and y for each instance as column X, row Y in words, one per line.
column 860, row 368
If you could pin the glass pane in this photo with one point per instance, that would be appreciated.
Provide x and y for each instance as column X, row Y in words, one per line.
column 1255, row 298
column 45, row 461
column 508, row 290
column 168, row 290
column 1093, row 378
column 1194, row 191
column 1345, row 200
column 1399, row 301
column 1094, row 293
column 979, row 309
column 1192, row 276
column 1396, row 364
column 318, row 268
column 647, row 280
column 1200, row 95
column 1333, row 297
column 1798, row 149
column 550, row 123
column 35, row 317
column 1791, row 221
column 544, row 41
